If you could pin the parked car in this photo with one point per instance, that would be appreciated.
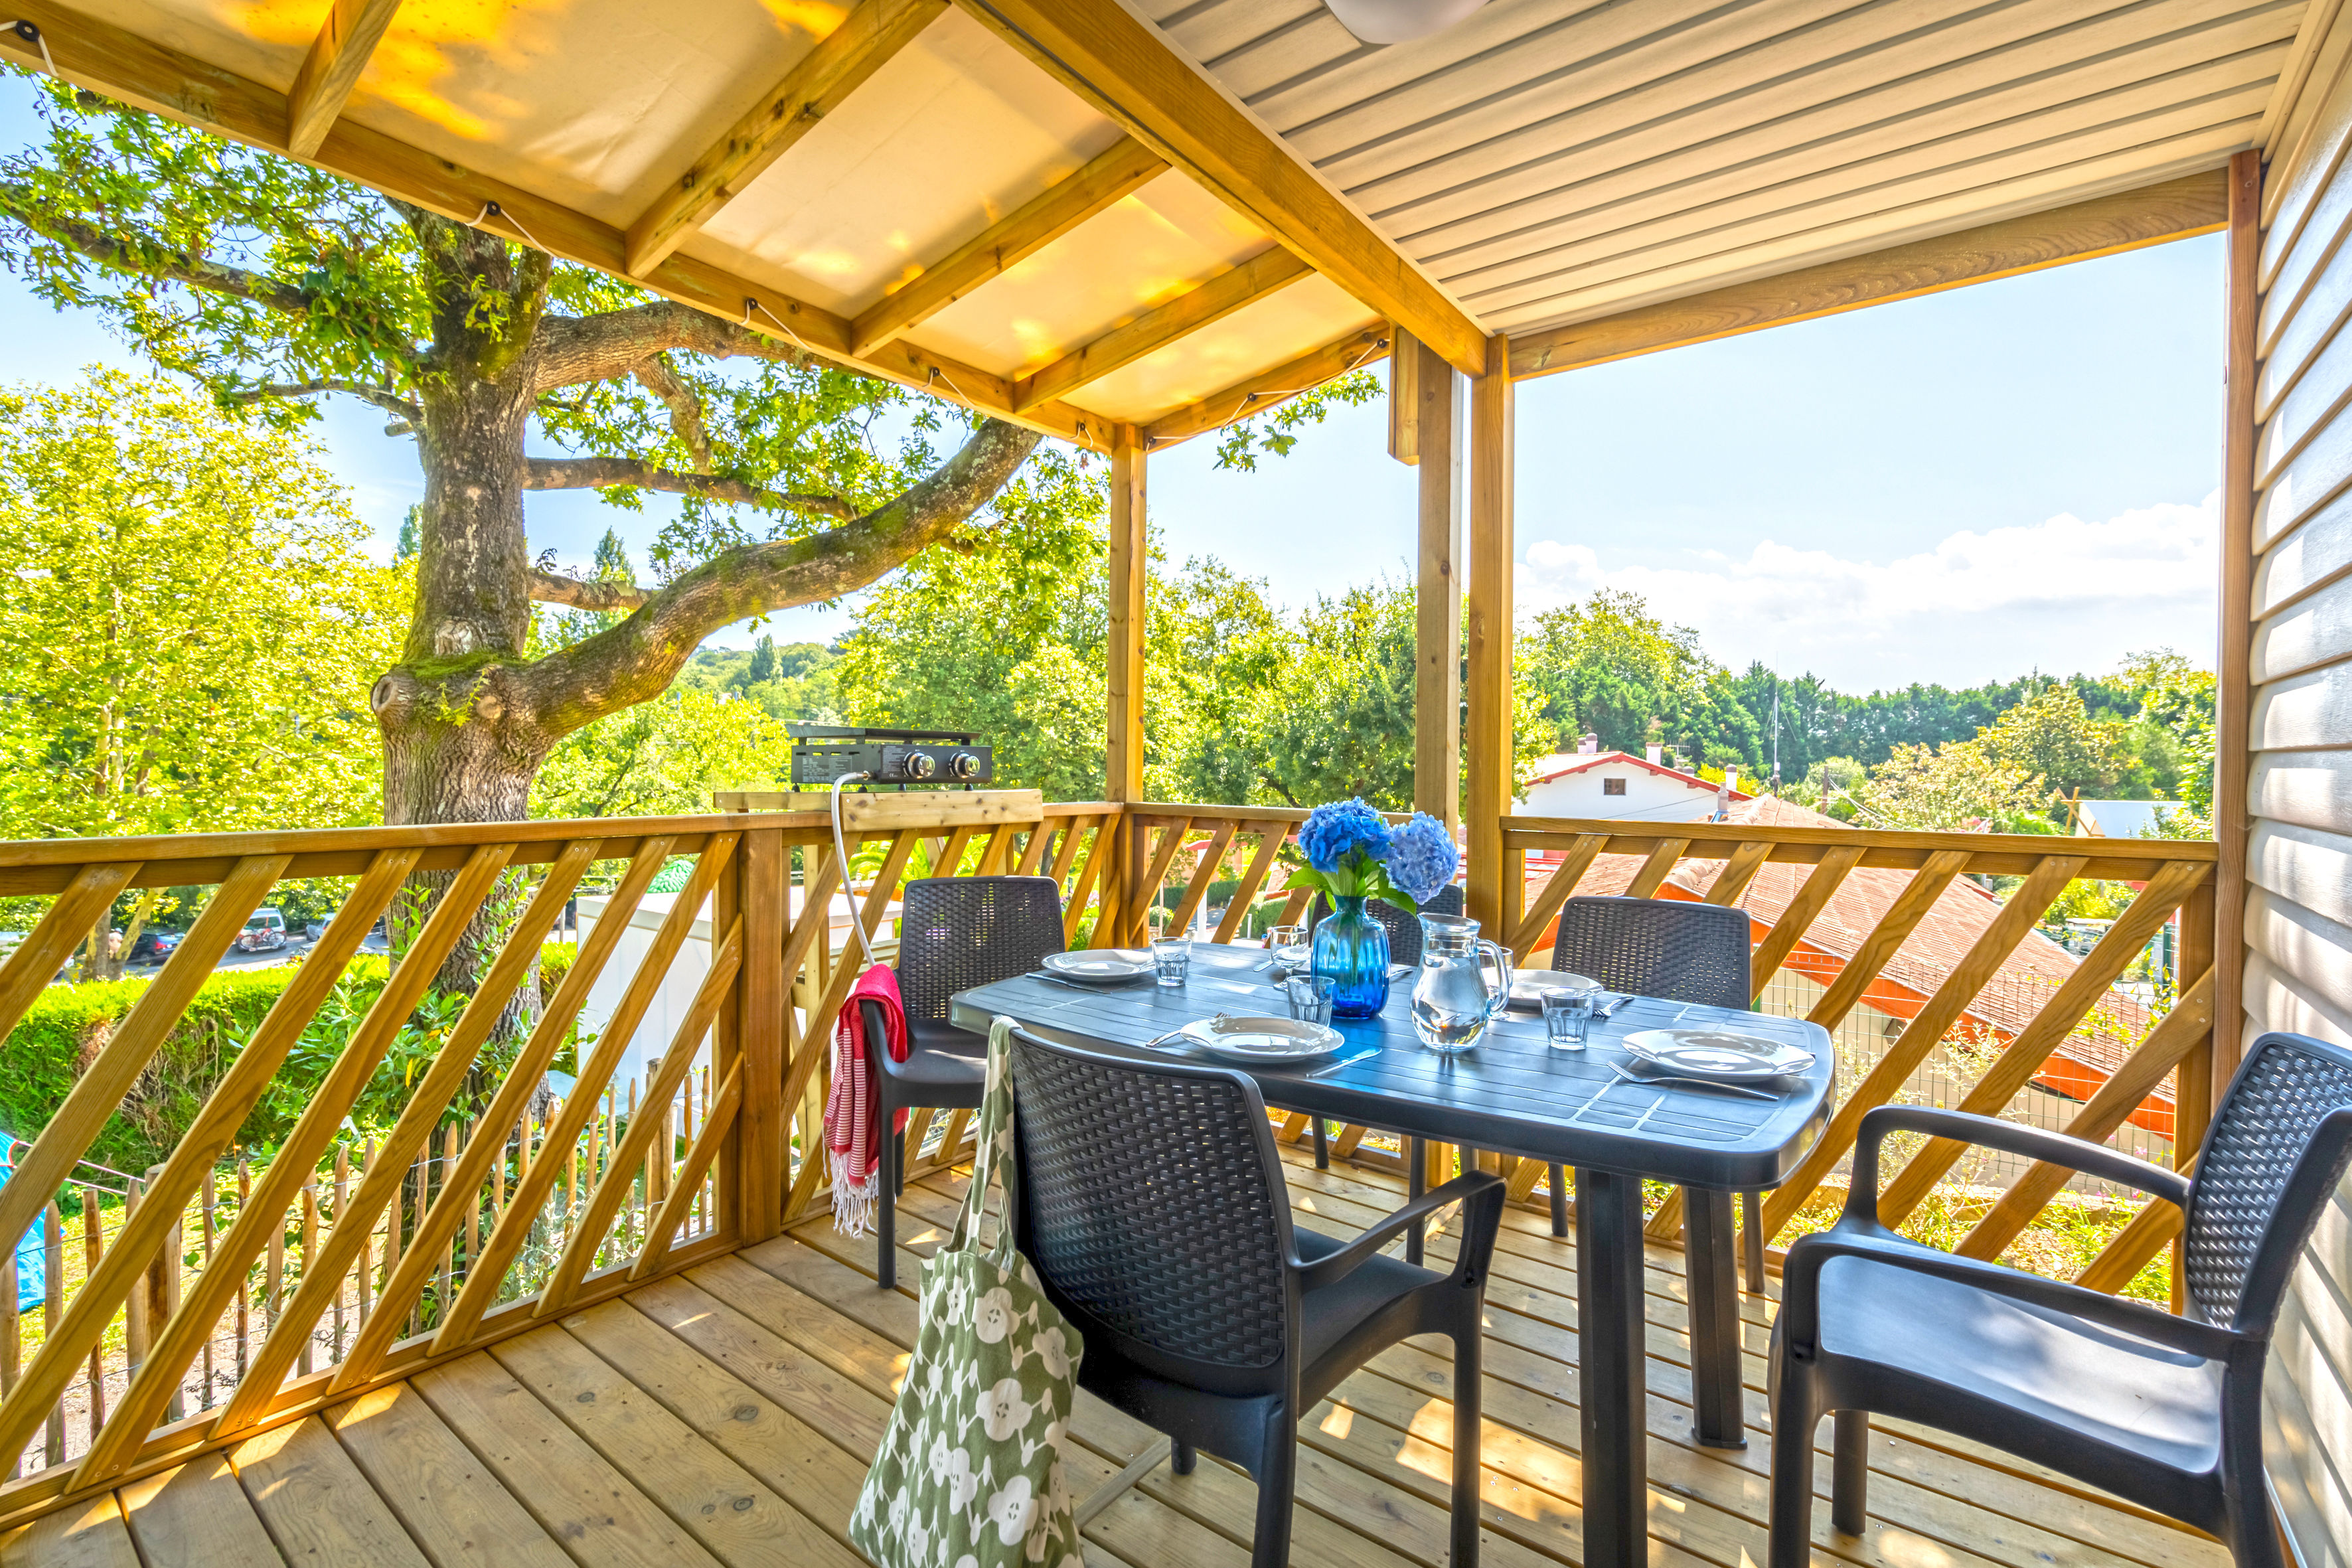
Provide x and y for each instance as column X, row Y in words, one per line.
column 264, row 931
column 152, row 946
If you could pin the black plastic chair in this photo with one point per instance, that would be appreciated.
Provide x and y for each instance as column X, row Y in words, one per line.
column 954, row 932
column 2165, row 1411
column 1153, row 1209
column 1661, row 947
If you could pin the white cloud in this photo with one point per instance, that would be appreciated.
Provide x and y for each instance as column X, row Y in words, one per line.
column 2061, row 596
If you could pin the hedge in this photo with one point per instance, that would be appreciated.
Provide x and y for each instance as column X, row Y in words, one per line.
column 66, row 1025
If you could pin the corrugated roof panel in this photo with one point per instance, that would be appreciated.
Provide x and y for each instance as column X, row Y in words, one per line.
column 954, row 132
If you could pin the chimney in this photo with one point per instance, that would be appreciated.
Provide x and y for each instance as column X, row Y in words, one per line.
column 1730, row 781
column 1657, row 756
column 1588, row 745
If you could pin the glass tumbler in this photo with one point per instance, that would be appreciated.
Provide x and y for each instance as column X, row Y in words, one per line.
column 1309, row 998
column 1567, row 1019
column 1171, row 958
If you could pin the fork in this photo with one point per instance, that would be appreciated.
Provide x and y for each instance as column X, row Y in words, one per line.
column 1694, row 1082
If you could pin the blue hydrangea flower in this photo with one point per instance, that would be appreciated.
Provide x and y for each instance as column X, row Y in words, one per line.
column 1422, row 858
column 1334, row 830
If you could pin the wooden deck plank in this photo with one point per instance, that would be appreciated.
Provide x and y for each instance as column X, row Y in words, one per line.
column 597, row 1513
column 316, row 1504
column 89, row 1534
column 195, row 1516
column 1950, row 1516
column 767, row 1323
column 739, row 1518
column 454, row 1508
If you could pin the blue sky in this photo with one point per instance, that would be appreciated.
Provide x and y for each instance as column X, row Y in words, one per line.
column 2015, row 475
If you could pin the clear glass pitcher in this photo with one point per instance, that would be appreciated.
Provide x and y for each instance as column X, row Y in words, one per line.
column 1452, row 996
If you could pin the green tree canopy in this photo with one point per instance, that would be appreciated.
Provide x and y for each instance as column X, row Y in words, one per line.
column 192, row 625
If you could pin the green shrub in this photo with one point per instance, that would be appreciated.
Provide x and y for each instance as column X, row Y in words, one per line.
column 66, row 1025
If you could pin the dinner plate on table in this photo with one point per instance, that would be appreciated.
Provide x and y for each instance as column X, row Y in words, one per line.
column 1262, row 1040
column 1298, row 955
column 1528, row 990
column 1725, row 1055
column 1099, row 965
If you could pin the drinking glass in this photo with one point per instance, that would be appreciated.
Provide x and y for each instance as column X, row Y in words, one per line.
column 1279, row 937
column 1309, row 998
column 1568, row 1017
column 1172, row 958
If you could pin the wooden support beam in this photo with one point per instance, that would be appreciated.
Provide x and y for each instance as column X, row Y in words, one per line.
column 1129, row 70
column 1270, row 389
column 1126, row 167
column 346, row 40
column 863, row 42
column 2175, row 210
column 1488, row 734
column 2233, row 689
column 1436, row 446
column 1123, row 748
column 123, row 66
column 1269, row 272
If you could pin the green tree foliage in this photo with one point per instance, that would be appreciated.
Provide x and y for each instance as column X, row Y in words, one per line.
column 1957, row 787
column 2052, row 736
column 763, row 668
column 188, row 637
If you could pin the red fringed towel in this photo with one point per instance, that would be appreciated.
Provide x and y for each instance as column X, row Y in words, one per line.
column 853, row 1149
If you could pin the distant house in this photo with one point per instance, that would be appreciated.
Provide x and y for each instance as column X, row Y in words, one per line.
column 1619, row 784
column 2120, row 818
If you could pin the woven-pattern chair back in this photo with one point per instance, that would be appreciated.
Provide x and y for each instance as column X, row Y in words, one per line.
column 956, row 933
column 1404, row 926
column 2257, row 1140
column 1149, row 1205
column 1657, row 947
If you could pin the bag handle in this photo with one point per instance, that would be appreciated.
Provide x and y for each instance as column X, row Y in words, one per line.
column 992, row 1160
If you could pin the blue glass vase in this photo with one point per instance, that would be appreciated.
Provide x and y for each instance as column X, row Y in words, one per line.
column 1352, row 951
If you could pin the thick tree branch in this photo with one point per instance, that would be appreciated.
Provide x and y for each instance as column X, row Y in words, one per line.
column 636, row 660
column 599, row 473
column 597, row 594
column 383, row 397
column 659, row 376
column 574, row 349
column 157, row 261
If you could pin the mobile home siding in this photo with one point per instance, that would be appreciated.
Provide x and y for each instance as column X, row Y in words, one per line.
column 2298, row 911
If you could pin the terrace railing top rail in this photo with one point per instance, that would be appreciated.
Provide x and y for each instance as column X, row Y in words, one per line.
column 2002, row 854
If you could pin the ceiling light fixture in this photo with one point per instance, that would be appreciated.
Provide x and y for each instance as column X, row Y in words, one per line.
column 1398, row 21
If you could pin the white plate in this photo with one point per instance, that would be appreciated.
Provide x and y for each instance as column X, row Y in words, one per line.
column 1527, row 989
column 1099, row 966
column 1295, row 956
column 1721, row 1054
column 1263, row 1040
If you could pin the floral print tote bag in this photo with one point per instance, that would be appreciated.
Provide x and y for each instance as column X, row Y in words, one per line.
column 969, row 1474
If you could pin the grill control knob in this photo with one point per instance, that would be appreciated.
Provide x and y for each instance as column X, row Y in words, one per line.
column 963, row 765
column 921, row 765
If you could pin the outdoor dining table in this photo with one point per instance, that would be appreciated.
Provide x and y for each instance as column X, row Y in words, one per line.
column 1514, row 1095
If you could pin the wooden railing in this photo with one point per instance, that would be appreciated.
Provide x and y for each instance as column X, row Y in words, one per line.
column 2169, row 1039
column 238, row 1288
column 228, row 1288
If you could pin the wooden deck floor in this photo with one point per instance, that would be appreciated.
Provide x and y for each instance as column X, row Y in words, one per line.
column 726, row 1416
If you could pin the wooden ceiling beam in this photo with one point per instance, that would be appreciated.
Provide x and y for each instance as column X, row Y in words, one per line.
column 2174, row 209
column 346, row 41
column 1269, row 271
column 1128, row 69
column 1022, row 232
column 1272, row 388
column 822, row 82
column 123, row 66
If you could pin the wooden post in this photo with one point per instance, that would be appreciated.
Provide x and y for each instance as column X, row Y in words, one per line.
column 1437, row 641
column 2233, row 691
column 1488, row 734
column 1122, row 902
column 762, row 991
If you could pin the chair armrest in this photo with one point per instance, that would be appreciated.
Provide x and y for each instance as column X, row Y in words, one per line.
column 1800, row 1293
column 1992, row 1133
column 1465, row 1190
